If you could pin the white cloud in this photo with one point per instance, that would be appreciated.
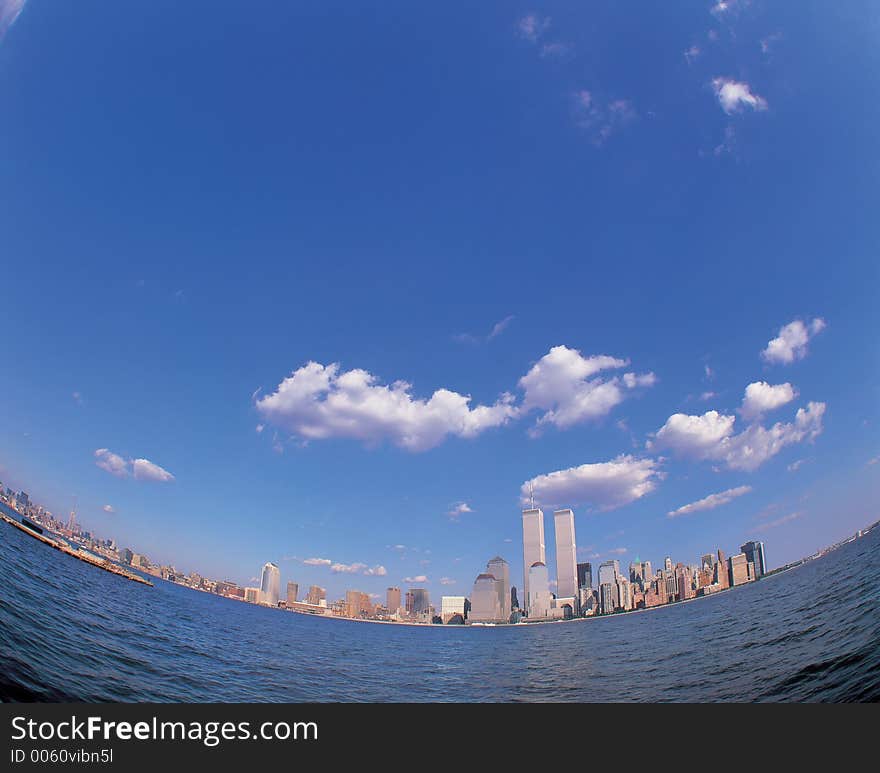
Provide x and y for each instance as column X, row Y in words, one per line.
column 791, row 343
column 692, row 53
column 795, row 465
column 144, row 469
column 112, row 463
column 139, row 469
column 317, row 562
column 318, row 402
column 874, row 460
column 733, row 96
column 711, row 436
column 108, row 509
column 600, row 486
column 565, row 386
column 499, row 327
column 708, row 395
column 710, row 502
column 447, row 581
column 419, row 578
column 760, row 397
column 9, row 12
column 531, row 26
column 355, row 568
column 459, row 509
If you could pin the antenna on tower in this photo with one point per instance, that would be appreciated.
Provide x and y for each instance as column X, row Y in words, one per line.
column 531, row 495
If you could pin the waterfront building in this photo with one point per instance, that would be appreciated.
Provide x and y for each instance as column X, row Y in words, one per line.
column 754, row 552
column 647, row 571
column 533, row 546
column 707, row 561
column 421, row 603
column 292, row 593
column 540, row 599
column 500, row 570
column 252, row 595
column 608, row 597
column 635, row 571
column 392, row 600
column 624, row 596
column 514, row 601
column 609, row 571
column 667, row 564
column 566, row 554
column 585, row 575
column 270, row 584
column 316, row 596
column 127, row 556
column 485, row 604
column 740, row 573
column 450, row 606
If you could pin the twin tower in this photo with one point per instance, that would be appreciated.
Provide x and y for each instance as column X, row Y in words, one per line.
column 539, row 601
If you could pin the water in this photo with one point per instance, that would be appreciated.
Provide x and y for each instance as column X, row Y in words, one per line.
column 69, row 631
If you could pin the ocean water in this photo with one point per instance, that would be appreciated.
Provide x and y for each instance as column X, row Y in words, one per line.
column 71, row 632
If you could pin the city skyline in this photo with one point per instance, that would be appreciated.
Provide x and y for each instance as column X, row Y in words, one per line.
column 331, row 325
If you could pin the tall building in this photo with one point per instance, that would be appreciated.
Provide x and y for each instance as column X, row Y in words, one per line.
column 316, row 595
column 609, row 571
column 514, row 601
column 566, row 554
column 485, row 604
column 740, row 572
column 500, row 570
column 292, row 593
column 754, row 552
column 252, row 595
column 357, row 604
column 392, row 600
column 707, row 561
column 608, row 597
column 667, row 564
column 585, row 575
column 421, row 603
column 270, row 584
column 533, row 545
column 540, row 599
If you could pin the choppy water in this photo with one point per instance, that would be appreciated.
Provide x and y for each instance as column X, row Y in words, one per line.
column 71, row 632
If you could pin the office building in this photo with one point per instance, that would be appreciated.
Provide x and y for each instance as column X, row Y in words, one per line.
column 740, row 571
column 270, row 584
column 292, row 593
column 421, row 604
column 485, row 603
column 533, row 546
column 252, row 595
column 514, row 601
column 392, row 600
column 566, row 554
column 608, row 597
column 754, row 552
column 500, row 570
column 609, row 571
column 585, row 575
column 452, row 608
column 317, row 596
column 540, row 600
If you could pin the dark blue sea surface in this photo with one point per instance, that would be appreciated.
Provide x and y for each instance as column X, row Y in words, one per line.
column 69, row 631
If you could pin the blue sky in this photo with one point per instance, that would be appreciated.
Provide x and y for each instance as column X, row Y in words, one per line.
column 243, row 249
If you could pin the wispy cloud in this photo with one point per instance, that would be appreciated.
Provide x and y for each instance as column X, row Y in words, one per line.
column 779, row 521
column 497, row 329
column 734, row 96
column 108, row 509
column 710, row 502
column 531, row 26
column 419, row 579
column 340, row 568
column 10, row 10
column 458, row 510
column 601, row 118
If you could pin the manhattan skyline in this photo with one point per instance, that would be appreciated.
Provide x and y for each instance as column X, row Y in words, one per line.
column 338, row 313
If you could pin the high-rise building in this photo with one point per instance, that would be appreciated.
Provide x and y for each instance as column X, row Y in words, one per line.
column 624, row 593
column 357, row 604
column 540, row 599
column 485, row 603
column 450, row 606
column 566, row 554
column 270, row 584
column 754, row 552
column 609, row 571
column 392, row 600
column 500, row 570
column 252, row 595
column 667, row 564
column 292, row 593
column 707, row 561
column 739, row 569
column 421, row 603
column 608, row 597
column 514, row 601
column 585, row 575
column 316, row 595
column 533, row 546
column 647, row 571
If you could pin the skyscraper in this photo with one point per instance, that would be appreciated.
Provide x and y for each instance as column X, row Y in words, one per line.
column 566, row 554
column 270, row 584
column 755, row 553
column 421, row 603
column 533, row 545
column 539, row 598
column 514, row 601
column 500, row 570
column 609, row 571
column 485, row 604
column 392, row 599
column 316, row 595
column 292, row 593
column 585, row 575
